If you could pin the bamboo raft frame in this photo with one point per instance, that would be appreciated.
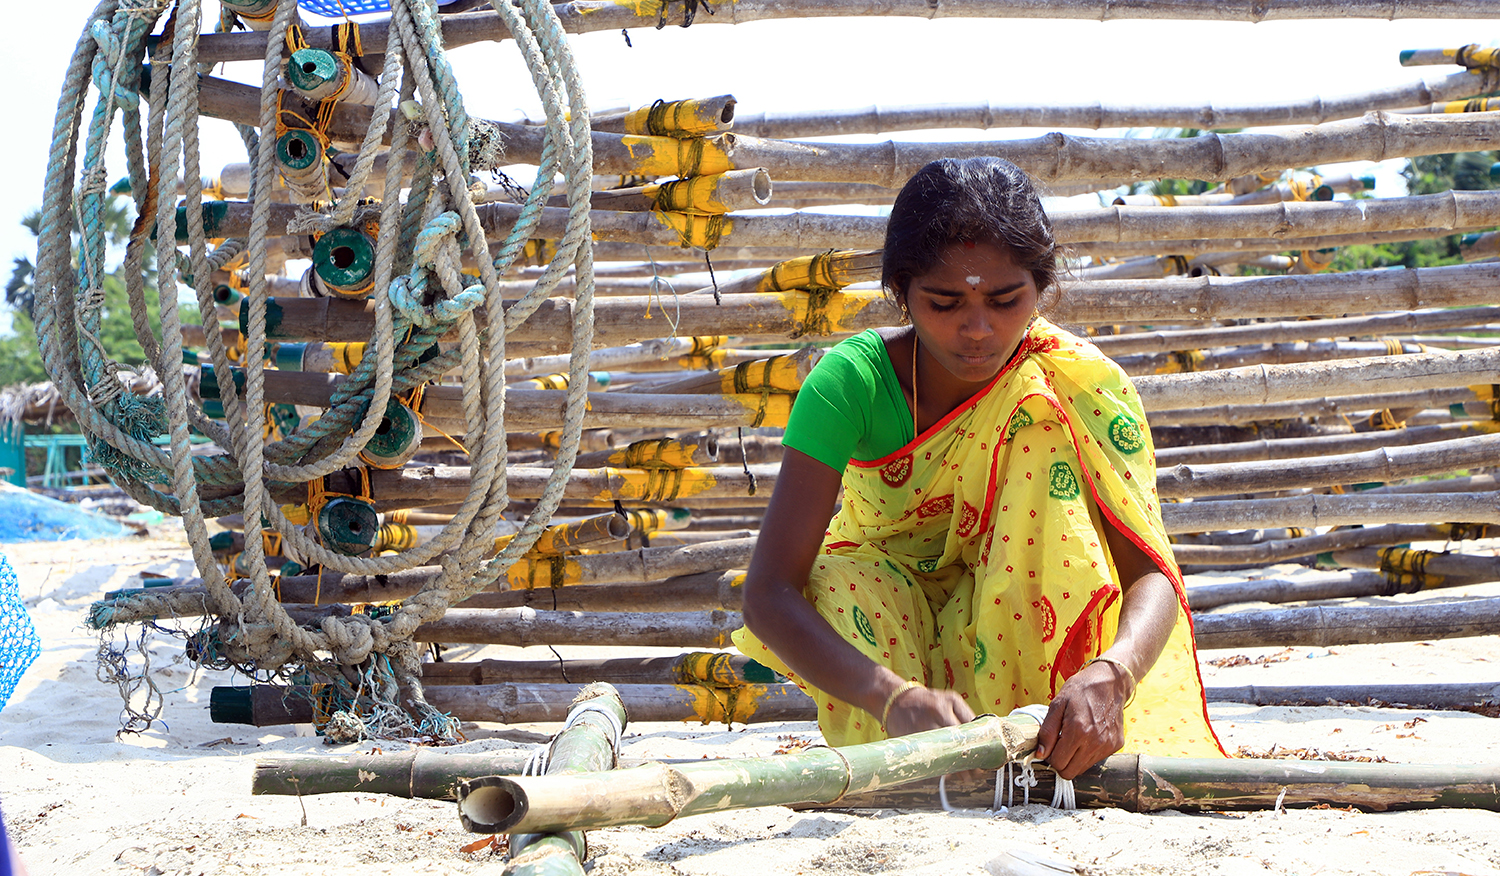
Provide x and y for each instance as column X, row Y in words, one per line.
column 686, row 595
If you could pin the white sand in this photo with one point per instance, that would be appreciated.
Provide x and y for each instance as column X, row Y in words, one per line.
column 175, row 799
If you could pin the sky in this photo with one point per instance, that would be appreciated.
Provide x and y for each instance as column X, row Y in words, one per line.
column 821, row 63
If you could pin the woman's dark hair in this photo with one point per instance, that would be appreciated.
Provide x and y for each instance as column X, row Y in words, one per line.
column 971, row 199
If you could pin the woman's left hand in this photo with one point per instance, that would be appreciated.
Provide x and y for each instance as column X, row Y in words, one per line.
column 1085, row 722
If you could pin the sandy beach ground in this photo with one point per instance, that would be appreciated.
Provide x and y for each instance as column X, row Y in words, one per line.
column 81, row 799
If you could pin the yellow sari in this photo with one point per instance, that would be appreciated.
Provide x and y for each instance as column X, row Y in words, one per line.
column 973, row 559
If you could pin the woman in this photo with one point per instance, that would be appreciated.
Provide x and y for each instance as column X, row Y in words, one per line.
column 999, row 542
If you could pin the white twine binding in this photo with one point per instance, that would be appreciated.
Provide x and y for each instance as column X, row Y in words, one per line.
column 1063, row 794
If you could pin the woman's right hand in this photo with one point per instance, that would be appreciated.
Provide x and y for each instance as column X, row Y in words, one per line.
column 923, row 708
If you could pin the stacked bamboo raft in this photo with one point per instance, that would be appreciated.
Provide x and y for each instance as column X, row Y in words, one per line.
column 427, row 431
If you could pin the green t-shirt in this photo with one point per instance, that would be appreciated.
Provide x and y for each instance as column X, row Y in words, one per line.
column 850, row 406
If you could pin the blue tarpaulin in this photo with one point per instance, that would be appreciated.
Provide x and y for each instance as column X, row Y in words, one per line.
column 27, row 516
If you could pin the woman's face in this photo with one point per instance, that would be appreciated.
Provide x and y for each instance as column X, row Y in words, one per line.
column 972, row 309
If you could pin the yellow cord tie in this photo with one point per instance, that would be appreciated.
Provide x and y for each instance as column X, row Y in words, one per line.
column 1406, row 570
column 816, row 321
column 698, row 230
column 1394, row 347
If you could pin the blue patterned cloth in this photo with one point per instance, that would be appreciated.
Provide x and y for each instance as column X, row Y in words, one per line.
column 19, row 645
column 340, row 8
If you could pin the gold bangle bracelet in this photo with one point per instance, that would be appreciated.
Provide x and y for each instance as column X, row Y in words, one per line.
column 1129, row 698
column 890, row 700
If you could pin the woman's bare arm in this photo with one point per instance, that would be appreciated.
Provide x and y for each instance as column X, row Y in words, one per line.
column 1084, row 724
column 782, row 618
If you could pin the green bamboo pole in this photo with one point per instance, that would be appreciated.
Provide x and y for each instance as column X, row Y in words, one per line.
column 1144, row 783
column 655, row 794
column 589, row 743
column 420, row 772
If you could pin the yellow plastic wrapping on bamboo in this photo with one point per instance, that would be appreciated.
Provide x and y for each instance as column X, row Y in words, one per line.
column 1472, row 105
column 346, row 356
column 666, row 156
column 654, row 453
column 1182, row 362
column 658, row 519
column 822, row 311
column 395, row 537
column 677, row 118
column 656, row 484
column 554, row 540
column 829, row 270
column 773, row 374
column 535, row 573
column 551, row 381
column 698, row 194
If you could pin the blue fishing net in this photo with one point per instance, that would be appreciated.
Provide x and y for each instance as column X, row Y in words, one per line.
column 19, row 644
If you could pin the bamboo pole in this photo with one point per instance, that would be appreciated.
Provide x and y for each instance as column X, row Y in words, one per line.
column 1315, row 110
column 188, row 598
column 1410, row 696
column 1285, row 331
column 1317, row 586
column 581, row 16
column 426, row 485
column 1435, row 569
column 693, row 667
column 418, row 773
column 1256, row 245
column 1264, row 553
column 1292, row 448
column 1340, row 408
column 1384, row 465
column 522, row 627
column 529, row 703
column 1143, row 783
column 1126, row 781
column 1103, row 302
column 1305, row 587
column 654, row 794
column 589, row 742
column 1329, row 626
column 1172, row 301
column 1139, row 364
column 542, row 409
column 1265, row 384
column 1051, row 158
column 1287, row 222
column 1318, row 510
column 704, row 591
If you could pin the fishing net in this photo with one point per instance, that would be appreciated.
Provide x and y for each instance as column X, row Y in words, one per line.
column 19, row 644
